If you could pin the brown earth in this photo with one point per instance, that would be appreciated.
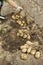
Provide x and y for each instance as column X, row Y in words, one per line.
column 9, row 49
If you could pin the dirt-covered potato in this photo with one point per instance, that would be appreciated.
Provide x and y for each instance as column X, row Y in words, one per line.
column 29, row 42
column 23, row 47
column 24, row 36
column 23, row 56
column 20, row 31
column 33, row 51
column 18, row 34
column 26, row 46
column 37, row 55
column 17, row 16
column 21, row 34
column 24, row 50
column 29, row 49
column 23, row 22
column 13, row 17
column 19, row 22
column 28, row 36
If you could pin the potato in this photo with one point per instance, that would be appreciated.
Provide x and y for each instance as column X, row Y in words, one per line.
column 21, row 34
column 33, row 52
column 29, row 49
column 23, row 47
column 25, row 36
column 23, row 22
column 18, row 34
column 17, row 16
column 37, row 55
column 23, row 56
column 29, row 43
column 24, row 50
column 20, row 31
column 28, row 36
column 19, row 22
column 13, row 17
column 26, row 46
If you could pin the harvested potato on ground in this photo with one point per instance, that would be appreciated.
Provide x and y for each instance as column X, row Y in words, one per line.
column 26, row 46
column 29, row 49
column 28, row 36
column 19, row 22
column 24, row 50
column 20, row 31
column 37, row 55
column 23, row 56
column 21, row 34
column 18, row 34
column 23, row 47
column 33, row 52
column 17, row 16
column 29, row 43
column 25, row 36
column 13, row 17
column 23, row 22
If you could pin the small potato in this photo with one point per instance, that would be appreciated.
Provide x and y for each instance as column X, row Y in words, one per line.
column 29, row 43
column 17, row 16
column 23, row 56
column 23, row 22
column 24, row 50
column 13, row 17
column 20, row 31
column 25, row 30
column 18, row 34
column 25, row 36
column 23, row 47
column 37, row 55
column 33, row 52
column 19, row 22
column 29, row 49
column 26, row 46
column 28, row 36
column 21, row 34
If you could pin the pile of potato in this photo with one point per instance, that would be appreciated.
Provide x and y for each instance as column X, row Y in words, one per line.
column 19, row 20
column 22, row 33
column 28, row 49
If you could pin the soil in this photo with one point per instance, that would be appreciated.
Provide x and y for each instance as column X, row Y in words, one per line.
column 10, row 42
